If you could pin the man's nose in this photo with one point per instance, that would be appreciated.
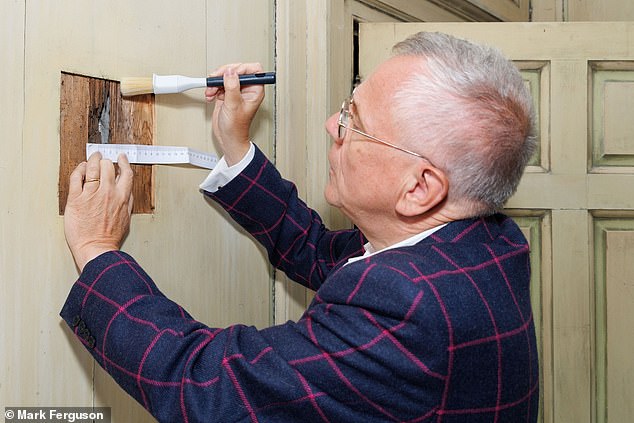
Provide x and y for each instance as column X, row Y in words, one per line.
column 332, row 127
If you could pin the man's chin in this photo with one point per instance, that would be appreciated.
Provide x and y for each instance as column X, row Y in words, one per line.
column 330, row 197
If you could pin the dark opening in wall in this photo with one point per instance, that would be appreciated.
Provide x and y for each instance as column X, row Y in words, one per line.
column 93, row 111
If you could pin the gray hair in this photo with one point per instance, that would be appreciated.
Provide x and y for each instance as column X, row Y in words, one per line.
column 471, row 111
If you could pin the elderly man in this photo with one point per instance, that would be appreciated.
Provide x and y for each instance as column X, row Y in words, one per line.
column 421, row 314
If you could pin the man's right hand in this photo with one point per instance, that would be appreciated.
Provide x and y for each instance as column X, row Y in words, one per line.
column 234, row 109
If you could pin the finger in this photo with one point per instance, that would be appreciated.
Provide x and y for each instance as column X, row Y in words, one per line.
column 251, row 93
column 221, row 70
column 131, row 203
column 126, row 175
column 219, row 94
column 211, row 92
column 243, row 68
column 91, row 178
column 233, row 98
column 125, row 180
column 107, row 172
column 240, row 69
column 76, row 180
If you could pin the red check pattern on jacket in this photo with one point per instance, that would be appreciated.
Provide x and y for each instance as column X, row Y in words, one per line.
column 441, row 331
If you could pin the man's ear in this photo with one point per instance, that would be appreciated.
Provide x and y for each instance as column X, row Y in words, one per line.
column 425, row 189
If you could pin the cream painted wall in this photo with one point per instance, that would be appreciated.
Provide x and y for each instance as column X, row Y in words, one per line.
column 582, row 10
column 190, row 248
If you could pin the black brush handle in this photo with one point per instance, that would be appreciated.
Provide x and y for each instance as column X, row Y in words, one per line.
column 249, row 79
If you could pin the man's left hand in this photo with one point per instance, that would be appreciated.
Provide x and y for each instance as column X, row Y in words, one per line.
column 99, row 206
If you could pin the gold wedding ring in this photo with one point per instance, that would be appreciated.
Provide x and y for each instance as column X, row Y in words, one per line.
column 91, row 180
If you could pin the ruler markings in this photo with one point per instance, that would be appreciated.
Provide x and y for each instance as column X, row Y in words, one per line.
column 154, row 154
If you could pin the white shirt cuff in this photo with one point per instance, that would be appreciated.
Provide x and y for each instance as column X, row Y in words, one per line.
column 222, row 174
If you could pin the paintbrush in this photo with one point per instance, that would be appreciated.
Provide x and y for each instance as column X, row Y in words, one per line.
column 170, row 84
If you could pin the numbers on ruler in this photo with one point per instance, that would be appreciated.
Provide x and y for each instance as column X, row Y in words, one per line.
column 146, row 154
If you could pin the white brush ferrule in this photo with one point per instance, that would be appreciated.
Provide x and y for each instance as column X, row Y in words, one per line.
column 171, row 84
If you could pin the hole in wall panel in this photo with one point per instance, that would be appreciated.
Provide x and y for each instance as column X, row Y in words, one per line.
column 93, row 111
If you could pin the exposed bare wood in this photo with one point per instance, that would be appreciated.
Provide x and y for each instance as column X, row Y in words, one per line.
column 83, row 102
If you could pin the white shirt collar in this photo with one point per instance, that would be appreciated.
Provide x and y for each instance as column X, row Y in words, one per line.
column 370, row 251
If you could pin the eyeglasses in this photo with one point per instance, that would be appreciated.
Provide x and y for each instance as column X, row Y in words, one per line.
column 345, row 116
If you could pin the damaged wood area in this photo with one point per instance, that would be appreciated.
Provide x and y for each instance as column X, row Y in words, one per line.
column 93, row 111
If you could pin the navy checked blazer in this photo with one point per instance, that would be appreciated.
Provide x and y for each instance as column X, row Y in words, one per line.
column 441, row 331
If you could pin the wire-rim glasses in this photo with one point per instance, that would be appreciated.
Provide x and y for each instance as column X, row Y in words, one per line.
column 343, row 123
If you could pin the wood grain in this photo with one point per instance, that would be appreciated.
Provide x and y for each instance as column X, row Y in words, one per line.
column 82, row 101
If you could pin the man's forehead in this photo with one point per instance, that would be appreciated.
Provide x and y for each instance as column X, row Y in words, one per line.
column 388, row 76
column 372, row 98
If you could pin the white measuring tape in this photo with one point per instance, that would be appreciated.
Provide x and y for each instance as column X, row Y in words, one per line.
column 154, row 154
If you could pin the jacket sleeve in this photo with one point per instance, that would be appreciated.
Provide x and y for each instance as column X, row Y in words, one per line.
column 333, row 362
column 296, row 240
column 177, row 368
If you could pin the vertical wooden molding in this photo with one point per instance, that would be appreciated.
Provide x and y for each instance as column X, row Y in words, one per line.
column 612, row 299
column 537, row 228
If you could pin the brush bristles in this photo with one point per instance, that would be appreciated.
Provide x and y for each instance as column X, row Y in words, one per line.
column 136, row 86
